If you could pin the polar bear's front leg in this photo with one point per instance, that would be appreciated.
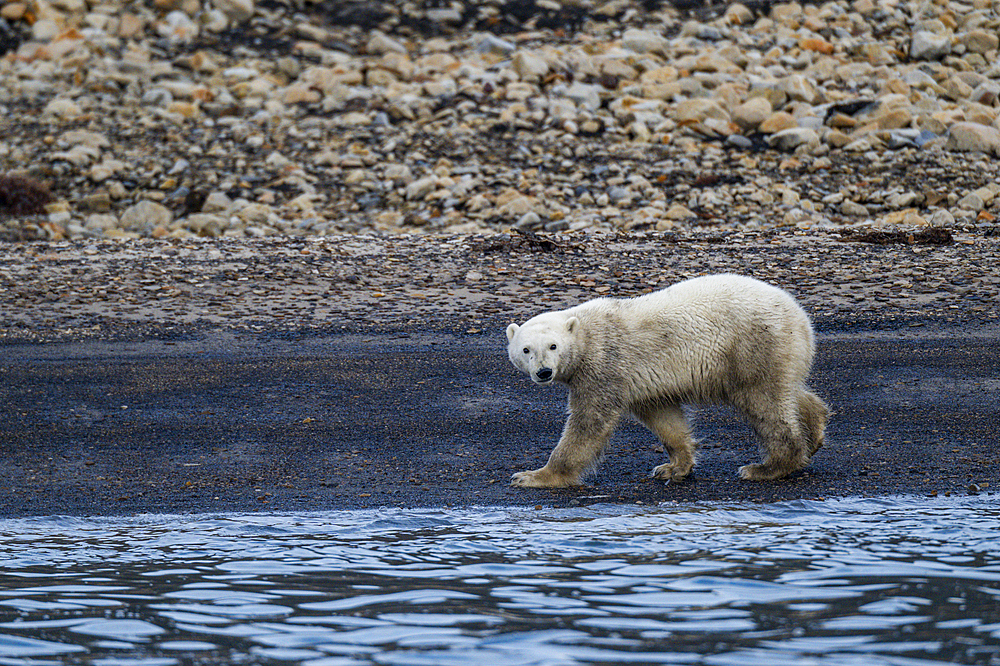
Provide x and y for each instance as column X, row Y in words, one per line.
column 671, row 427
column 584, row 437
column 543, row 478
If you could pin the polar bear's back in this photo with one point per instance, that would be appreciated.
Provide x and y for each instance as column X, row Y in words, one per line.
column 700, row 337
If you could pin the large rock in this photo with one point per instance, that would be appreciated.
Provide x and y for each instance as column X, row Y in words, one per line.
column 237, row 11
column 980, row 41
column 530, row 67
column 146, row 216
column 643, row 41
column 926, row 45
column 752, row 113
column 698, row 109
column 585, row 95
column 973, row 137
column 798, row 88
column 778, row 122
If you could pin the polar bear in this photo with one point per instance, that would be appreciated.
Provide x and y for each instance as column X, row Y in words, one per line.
column 722, row 339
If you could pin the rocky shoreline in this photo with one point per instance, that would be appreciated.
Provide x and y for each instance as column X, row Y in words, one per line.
column 902, row 283
column 179, row 119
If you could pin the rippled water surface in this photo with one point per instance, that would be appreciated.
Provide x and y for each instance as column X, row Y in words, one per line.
column 901, row 581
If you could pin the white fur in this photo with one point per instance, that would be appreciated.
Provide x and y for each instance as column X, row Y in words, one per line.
column 716, row 339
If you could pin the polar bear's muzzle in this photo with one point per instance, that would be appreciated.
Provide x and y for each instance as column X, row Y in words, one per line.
column 543, row 375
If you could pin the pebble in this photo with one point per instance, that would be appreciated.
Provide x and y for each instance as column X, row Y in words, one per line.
column 238, row 118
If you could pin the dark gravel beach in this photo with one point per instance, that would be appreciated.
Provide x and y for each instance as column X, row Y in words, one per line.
column 152, row 377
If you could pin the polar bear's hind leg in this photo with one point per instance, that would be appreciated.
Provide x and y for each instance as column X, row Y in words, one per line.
column 779, row 426
column 813, row 414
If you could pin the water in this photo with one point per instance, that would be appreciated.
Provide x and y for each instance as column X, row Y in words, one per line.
column 901, row 581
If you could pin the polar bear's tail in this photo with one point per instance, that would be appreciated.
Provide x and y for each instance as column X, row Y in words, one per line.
column 813, row 414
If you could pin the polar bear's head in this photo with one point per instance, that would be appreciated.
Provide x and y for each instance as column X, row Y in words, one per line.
column 543, row 346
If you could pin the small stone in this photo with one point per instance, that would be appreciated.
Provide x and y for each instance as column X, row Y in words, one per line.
column 777, row 98
column 398, row 173
column 206, row 224
column 817, row 44
column 379, row 43
column 957, row 89
column 180, row 166
column 390, row 219
column 679, row 212
column 778, row 122
column 255, row 213
column 798, row 88
column 178, row 27
column 901, row 138
column 909, row 218
column 643, row 41
column 13, row 11
column 100, row 222
column 529, row 220
column 304, row 203
column 792, row 138
column 419, row 189
column 853, row 209
column 698, row 109
column 617, row 194
column 987, row 94
column 492, row 44
column 237, row 11
column 516, row 207
column 942, row 218
column 130, row 25
column 972, row 201
column 44, row 30
column 184, row 109
column 988, row 193
column 739, row 142
column 585, row 95
column 217, row 202
column 63, row 108
column 659, row 75
column 70, row 6
column 300, row 93
column 738, row 14
column 105, row 170
column 98, row 201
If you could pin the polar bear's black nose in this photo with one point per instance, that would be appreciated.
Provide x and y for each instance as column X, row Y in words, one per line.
column 544, row 374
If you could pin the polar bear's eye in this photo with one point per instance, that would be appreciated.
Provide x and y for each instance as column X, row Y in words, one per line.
column 526, row 350
column 553, row 347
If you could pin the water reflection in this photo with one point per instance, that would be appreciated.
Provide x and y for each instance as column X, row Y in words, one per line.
column 896, row 581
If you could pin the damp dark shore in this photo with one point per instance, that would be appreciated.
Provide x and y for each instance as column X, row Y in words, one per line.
column 127, row 388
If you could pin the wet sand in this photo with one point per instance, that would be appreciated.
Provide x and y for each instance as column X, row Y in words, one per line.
column 232, row 421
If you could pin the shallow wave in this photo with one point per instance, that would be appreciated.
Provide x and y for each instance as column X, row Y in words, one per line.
column 894, row 580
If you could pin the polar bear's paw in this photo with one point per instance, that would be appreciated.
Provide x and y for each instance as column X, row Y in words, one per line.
column 762, row 472
column 671, row 471
column 542, row 478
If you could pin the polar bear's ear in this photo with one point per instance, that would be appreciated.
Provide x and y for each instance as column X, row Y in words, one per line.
column 571, row 324
column 511, row 332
